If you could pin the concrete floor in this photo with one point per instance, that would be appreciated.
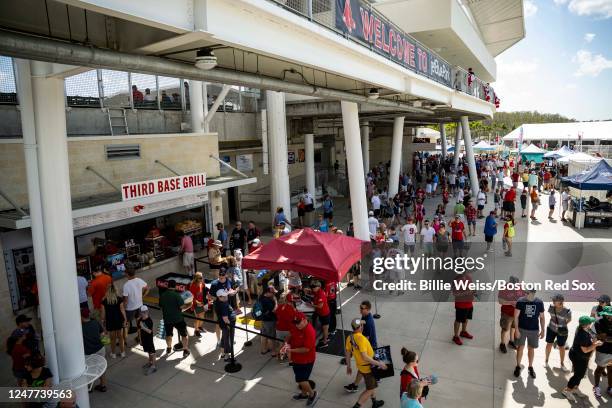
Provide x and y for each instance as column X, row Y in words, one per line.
column 474, row 375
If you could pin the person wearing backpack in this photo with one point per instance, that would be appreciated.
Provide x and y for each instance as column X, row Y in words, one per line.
column 509, row 233
column 358, row 346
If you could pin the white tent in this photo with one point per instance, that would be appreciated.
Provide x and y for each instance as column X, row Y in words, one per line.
column 580, row 158
column 482, row 145
column 532, row 149
column 562, row 152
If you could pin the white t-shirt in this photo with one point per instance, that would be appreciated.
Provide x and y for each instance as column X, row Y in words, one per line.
column 409, row 232
column 451, row 178
column 428, row 234
column 375, row 202
column 133, row 290
column 372, row 226
column 482, row 198
column 307, row 198
column 460, row 195
column 82, row 283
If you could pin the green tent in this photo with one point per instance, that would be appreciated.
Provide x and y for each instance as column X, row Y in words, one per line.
column 532, row 153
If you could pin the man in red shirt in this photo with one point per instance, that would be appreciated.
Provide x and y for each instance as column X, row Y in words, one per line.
column 301, row 347
column 457, row 228
column 515, row 178
column 509, row 198
column 464, row 308
column 322, row 313
column 507, row 299
column 97, row 289
column 330, row 290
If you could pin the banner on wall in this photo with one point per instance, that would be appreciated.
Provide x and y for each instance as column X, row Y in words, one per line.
column 244, row 162
column 291, row 157
column 360, row 21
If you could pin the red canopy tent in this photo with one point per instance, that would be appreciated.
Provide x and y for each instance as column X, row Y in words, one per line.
column 321, row 254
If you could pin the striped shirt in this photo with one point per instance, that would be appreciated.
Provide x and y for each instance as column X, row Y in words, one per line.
column 558, row 318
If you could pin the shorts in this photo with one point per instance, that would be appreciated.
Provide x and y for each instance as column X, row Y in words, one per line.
column 147, row 344
column 268, row 328
column 131, row 315
column 488, row 238
column 301, row 212
column 531, row 336
column 564, row 206
column 410, row 248
column 602, row 359
column 428, row 247
column 458, row 245
column 370, row 381
column 463, row 315
column 480, row 207
column 282, row 334
column 181, row 328
column 328, row 215
column 302, row 372
column 552, row 207
column 551, row 335
column 472, row 222
column 506, row 322
column 324, row 319
column 188, row 259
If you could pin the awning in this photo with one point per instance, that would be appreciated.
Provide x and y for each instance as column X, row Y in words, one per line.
column 108, row 208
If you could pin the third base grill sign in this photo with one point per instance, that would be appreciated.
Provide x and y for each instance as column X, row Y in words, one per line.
column 149, row 188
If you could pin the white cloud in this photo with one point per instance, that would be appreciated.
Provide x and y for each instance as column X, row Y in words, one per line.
column 594, row 8
column 530, row 8
column 588, row 37
column 571, row 86
column 590, row 64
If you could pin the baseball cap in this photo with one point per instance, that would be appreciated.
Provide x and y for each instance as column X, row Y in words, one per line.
column 607, row 311
column 370, row 213
column 221, row 292
column 144, row 309
column 584, row 320
column 604, row 298
column 298, row 317
column 356, row 323
column 22, row 319
column 256, row 242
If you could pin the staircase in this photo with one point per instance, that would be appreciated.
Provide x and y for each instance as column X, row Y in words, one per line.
column 117, row 121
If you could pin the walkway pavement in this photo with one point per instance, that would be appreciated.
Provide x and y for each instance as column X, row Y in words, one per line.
column 474, row 375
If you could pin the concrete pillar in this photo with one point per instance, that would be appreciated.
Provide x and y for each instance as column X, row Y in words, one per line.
column 196, row 106
column 443, row 140
column 50, row 126
column 469, row 152
column 309, row 163
column 365, row 145
column 396, row 155
column 205, row 105
column 354, row 157
column 26, row 105
column 457, row 146
column 277, row 145
column 332, row 155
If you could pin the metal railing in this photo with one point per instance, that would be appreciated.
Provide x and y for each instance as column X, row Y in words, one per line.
column 323, row 12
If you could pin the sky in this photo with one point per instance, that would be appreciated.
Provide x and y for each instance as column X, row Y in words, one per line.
column 564, row 64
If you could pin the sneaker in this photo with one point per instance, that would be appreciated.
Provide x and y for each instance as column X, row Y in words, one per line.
column 502, row 348
column 597, row 391
column 352, row 387
column 531, row 372
column 564, row 369
column 517, row 371
column 466, row 335
column 113, row 355
column 146, row 366
column 569, row 395
column 378, row 403
column 311, row 400
column 457, row 341
column 151, row 370
column 332, row 333
column 197, row 334
column 122, row 354
column 323, row 344
column 580, row 394
column 300, row 396
column 168, row 350
column 512, row 345
column 186, row 353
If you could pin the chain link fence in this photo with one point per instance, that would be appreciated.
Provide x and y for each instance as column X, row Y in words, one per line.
column 82, row 89
column 8, row 89
column 116, row 89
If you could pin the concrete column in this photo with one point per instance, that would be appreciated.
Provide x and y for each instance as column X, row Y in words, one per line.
column 443, row 140
column 26, row 105
column 309, row 163
column 457, row 146
column 50, row 127
column 196, row 106
column 469, row 152
column 205, row 105
column 332, row 155
column 354, row 157
column 365, row 145
column 277, row 145
column 396, row 155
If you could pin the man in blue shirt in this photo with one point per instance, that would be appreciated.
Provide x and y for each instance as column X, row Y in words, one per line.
column 490, row 229
column 223, row 237
column 529, row 325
